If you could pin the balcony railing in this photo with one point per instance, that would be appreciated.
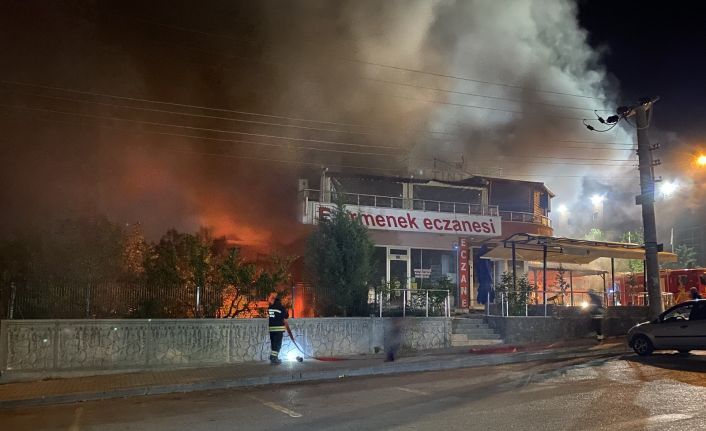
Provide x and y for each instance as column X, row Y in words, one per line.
column 360, row 199
column 521, row 217
column 379, row 201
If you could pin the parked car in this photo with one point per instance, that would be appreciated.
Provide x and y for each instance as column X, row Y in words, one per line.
column 682, row 328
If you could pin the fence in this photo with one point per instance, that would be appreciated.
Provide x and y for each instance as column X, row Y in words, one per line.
column 413, row 302
column 407, row 203
column 62, row 299
column 556, row 301
column 509, row 305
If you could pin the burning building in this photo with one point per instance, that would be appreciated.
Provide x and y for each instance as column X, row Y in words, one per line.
column 427, row 229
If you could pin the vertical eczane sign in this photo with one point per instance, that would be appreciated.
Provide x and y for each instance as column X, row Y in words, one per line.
column 463, row 283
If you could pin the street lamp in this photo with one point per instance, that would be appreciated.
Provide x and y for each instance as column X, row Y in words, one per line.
column 597, row 199
column 668, row 188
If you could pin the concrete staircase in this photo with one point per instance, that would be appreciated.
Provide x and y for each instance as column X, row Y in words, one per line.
column 472, row 331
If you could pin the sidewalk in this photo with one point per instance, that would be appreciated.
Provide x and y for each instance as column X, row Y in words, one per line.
column 67, row 390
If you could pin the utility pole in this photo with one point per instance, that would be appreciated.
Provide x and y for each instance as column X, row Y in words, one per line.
column 646, row 199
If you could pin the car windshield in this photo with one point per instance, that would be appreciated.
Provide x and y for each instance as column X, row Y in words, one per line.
column 679, row 313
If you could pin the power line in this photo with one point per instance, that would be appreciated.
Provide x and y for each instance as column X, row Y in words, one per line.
column 466, row 105
column 369, row 63
column 158, row 124
column 181, row 105
column 189, row 106
column 460, row 78
column 526, row 162
column 458, row 105
column 575, row 176
column 154, row 123
column 206, row 138
column 188, row 114
column 466, row 93
column 295, row 126
column 589, row 161
column 295, row 162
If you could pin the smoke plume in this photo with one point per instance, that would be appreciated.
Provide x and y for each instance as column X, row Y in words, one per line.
column 380, row 87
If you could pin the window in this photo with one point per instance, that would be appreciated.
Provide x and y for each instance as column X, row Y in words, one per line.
column 678, row 314
column 432, row 265
column 699, row 311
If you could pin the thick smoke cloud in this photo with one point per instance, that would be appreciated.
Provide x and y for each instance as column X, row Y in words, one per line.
column 308, row 59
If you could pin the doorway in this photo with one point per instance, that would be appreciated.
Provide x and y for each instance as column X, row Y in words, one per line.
column 398, row 267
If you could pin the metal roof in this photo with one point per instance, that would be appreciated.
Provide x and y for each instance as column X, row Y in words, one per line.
column 530, row 247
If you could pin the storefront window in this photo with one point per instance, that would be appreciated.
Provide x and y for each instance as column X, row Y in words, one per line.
column 429, row 266
column 379, row 266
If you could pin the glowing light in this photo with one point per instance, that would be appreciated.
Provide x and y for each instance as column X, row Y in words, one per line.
column 668, row 188
column 292, row 356
column 562, row 209
column 597, row 199
column 584, row 304
column 701, row 160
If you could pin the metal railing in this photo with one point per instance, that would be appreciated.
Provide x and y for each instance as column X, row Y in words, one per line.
column 414, row 302
column 643, row 298
column 380, row 201
column 522, row 217
column 552, row 301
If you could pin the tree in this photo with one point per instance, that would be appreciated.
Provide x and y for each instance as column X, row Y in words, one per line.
column 561, row 282
column 595, row 234
column 339, row 260
column 176, row 268
column 686, row 257
column 182, row 264
column 634, row 237
column 135, row 249
column 242, row 281
column 517, row 295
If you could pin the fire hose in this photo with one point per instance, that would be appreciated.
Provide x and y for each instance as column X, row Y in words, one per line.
column 299, row 358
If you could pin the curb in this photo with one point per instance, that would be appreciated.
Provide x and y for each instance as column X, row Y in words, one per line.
column 310, row 376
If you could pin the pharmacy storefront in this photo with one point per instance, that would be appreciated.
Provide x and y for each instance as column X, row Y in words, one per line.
column 422, row 249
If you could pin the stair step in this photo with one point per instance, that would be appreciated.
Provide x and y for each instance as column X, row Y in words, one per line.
column 489, row 336
column 469, row 324
column 472, row 332
column 475, row 342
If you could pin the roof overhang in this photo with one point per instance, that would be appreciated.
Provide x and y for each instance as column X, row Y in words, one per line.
column 530, row 247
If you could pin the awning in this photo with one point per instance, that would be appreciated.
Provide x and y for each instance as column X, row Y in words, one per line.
column 568, row 267
column 529, row 247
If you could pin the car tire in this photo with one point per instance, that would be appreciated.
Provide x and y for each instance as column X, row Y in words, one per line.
column 684, row 351
column 642, row 345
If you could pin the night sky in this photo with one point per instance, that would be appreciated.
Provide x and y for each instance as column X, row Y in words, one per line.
column 243, row 80
column 655, row 49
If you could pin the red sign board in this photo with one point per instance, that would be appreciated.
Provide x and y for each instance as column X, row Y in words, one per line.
column 417, row 221
column 463, row 283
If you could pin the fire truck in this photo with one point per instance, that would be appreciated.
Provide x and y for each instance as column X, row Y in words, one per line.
column 675, row 284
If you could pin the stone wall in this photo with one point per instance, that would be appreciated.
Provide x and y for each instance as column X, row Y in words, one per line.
column 567, row 324
column 82, row 345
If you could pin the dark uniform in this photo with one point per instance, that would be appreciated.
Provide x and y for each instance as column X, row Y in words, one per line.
column 596, row 311
column 277, row 317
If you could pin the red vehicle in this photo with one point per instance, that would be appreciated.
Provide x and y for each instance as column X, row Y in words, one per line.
column 674, row 283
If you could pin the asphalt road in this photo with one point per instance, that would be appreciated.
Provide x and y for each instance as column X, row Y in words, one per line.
column 663, row 392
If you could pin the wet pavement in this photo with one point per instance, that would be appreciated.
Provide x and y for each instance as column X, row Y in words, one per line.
column 623, row 392
column 67, row 389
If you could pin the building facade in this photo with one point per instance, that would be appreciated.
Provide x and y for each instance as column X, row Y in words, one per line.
column 428, row 231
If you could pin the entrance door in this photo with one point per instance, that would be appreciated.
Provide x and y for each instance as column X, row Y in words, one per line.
column 398, row 267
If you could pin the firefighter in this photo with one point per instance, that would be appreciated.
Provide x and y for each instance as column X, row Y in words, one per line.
column 277, row 320
column 694, row 293
column 596, row 311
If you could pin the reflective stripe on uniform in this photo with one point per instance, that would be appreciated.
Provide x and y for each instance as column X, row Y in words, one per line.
column 276, row 328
